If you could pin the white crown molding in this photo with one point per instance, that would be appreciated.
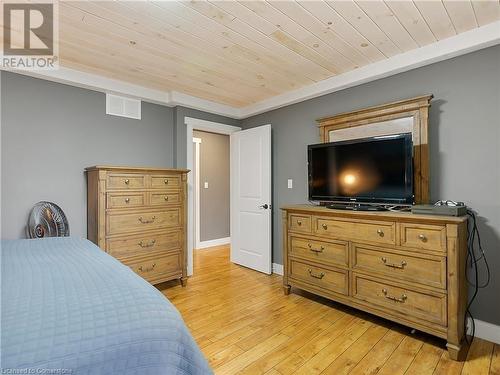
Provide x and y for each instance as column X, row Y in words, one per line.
column 177, row 98
column 98, row 83
column 111, row 86
column 469, row 41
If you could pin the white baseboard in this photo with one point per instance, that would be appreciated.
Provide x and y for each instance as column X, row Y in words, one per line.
column 216, row 242
column 278, row 269
column 486, row 331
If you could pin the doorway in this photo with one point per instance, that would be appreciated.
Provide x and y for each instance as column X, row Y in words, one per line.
column 193, row 125
column 211, row 189
column 250, row 192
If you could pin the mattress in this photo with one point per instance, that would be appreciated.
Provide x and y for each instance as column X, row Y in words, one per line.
column 69, row 308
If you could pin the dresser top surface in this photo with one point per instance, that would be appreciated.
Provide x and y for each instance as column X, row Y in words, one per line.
column 377, row 215
column 135, row 169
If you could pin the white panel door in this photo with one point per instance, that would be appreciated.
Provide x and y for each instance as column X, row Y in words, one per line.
column 251, row 198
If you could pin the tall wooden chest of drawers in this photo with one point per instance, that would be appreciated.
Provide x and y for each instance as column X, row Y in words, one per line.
column 139, row 216
column 403, row 267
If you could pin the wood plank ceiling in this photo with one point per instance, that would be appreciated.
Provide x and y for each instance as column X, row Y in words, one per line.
column 240, row 53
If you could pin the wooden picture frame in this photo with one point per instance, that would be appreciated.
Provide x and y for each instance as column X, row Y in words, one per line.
column 417, row 109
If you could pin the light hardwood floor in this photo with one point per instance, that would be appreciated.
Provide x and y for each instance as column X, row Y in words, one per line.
column 245, row 325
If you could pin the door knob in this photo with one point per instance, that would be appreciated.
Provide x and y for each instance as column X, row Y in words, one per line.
column 264, row 206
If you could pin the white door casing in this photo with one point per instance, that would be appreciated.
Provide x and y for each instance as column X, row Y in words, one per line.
column 251, row 212
column 210, row 126
column 196, row 191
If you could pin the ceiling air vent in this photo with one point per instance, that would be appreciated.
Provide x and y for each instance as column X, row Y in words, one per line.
column 122, row 106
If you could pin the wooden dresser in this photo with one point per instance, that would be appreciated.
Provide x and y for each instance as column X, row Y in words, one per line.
column 138, row 215
column 403, row 267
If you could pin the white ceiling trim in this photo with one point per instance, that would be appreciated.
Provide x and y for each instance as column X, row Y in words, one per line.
column 469, row 41
column 98, row 83
column 473, row 40
column 111, row 86
column 178, row 98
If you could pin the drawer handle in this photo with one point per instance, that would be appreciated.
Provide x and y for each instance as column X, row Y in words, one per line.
column 147, row 244
column 127, row 200
column 147, row 221
column 422, row 237
column 165, row 182
column 393, row 265
column 320, row 250
column 299, row 223
column 403, row 298
column 325, row 227
column 147, row 269
column 380, row 232
column 320, row 276
column 127, row 181
column 165, row 197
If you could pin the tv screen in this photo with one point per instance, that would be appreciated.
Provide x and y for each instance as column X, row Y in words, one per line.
column 370, row 170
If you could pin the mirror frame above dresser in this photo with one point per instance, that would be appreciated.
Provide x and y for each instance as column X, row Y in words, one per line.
column 404, row 116
column 139, row 216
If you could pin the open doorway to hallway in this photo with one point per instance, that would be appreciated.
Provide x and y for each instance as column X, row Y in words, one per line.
column 211, row 156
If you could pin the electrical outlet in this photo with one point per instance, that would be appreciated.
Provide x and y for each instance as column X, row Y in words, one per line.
column 290, row 183
column 205, row 185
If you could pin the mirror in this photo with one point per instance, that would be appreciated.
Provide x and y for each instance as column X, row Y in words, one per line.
column 405, row 116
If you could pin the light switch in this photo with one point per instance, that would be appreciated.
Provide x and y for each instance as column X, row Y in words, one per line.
column 290, row 183
column 205, row 185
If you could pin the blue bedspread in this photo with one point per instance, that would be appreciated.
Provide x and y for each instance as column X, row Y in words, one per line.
column 68, row 306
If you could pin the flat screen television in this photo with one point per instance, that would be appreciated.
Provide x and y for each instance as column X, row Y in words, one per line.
column 370, row 170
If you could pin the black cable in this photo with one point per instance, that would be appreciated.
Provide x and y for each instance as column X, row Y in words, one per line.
column 472, row 261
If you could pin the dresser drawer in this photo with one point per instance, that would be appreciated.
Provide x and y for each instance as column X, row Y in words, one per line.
column 157, row 268
column 126, row 181
column 143, row 244
column 429, row 237
column 124, row 200
column 164, row 198
column 409, row 303
column 165, row 181
column 332, row 252
column 299, row 223
column 139, row 221
column 332, row 280
column 410, row 267
column 373, row 231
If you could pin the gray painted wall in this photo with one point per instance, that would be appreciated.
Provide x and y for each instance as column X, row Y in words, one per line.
column 214, row 201
column 464, row 144
column 51, row 132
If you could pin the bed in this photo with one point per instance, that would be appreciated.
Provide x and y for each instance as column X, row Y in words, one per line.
column 69, row 307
